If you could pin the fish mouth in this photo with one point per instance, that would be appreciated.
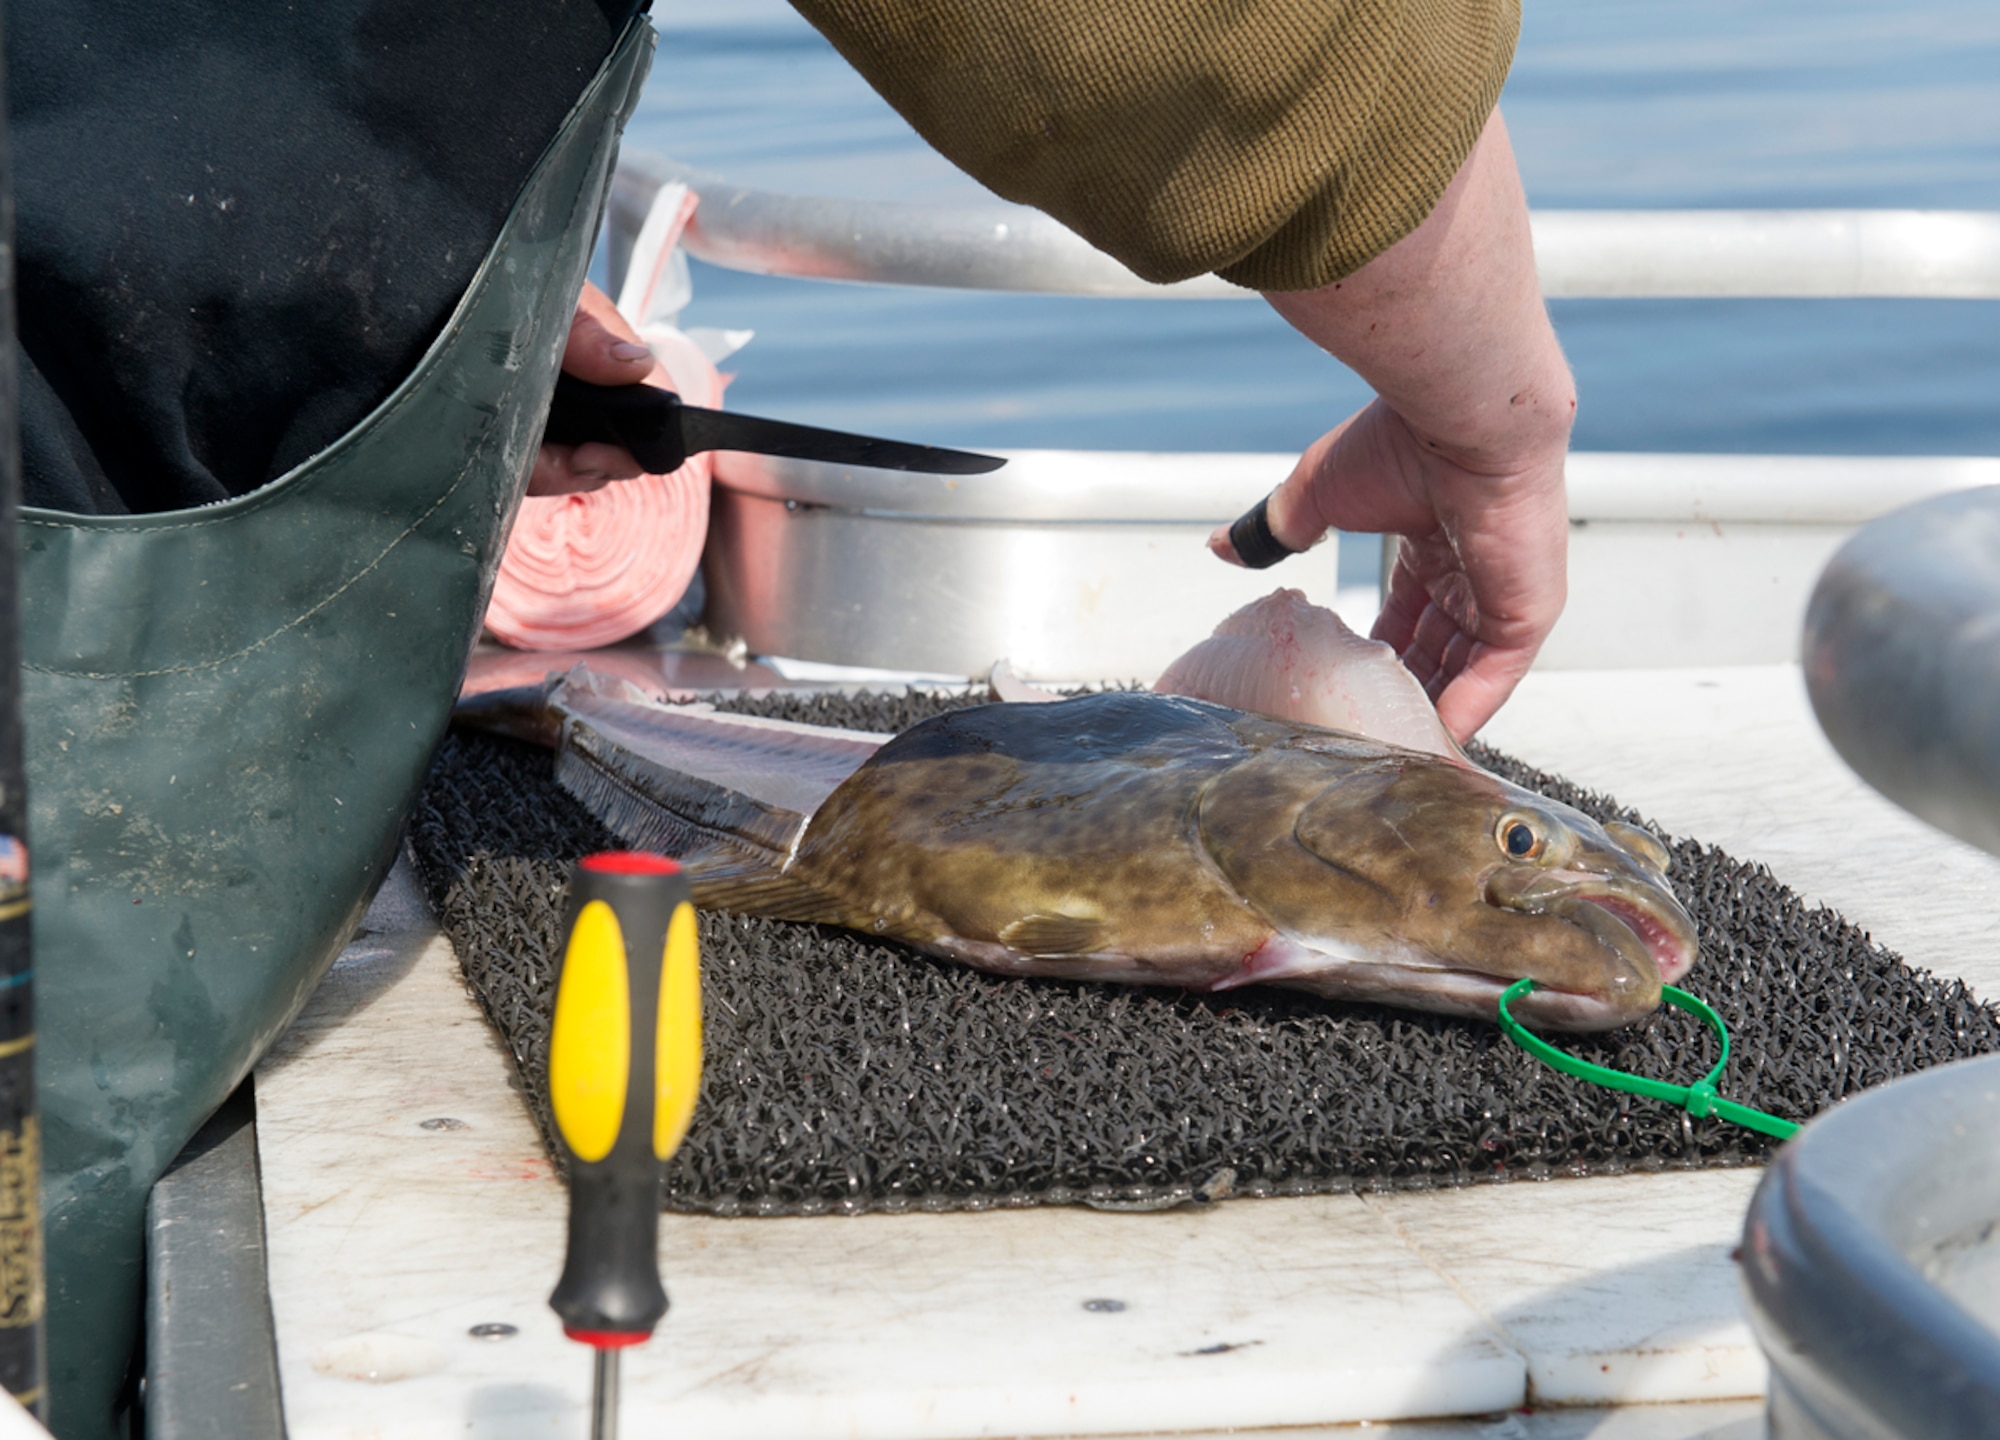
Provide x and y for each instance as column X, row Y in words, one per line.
column 1648, row 940
column 1667, row 934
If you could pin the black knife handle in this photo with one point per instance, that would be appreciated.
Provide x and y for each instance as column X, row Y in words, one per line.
column 643, row 418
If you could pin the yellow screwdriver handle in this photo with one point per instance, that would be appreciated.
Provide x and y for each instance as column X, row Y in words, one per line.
column 624, row 1071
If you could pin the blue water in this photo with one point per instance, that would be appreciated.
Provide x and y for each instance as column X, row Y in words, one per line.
column 1643, row 103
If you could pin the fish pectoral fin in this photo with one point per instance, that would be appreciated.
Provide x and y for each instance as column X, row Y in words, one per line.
column 724, row 879
column 1050, row 936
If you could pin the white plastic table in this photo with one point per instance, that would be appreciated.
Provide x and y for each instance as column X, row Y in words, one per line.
column 408, row 1201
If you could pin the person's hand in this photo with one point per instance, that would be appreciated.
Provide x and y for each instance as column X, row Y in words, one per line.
column 1463, row 453
column 1479, row 580
column 604, row 350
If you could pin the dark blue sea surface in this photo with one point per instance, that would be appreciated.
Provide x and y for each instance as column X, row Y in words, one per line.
column 1642, row 104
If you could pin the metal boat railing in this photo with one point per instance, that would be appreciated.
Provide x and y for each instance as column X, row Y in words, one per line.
column 1597, row 254
column 1742, row 537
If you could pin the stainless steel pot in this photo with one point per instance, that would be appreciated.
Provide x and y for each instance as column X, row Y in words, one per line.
column 1071, row 567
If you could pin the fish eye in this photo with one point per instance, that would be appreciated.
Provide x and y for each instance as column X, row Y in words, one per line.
column 1519, row 837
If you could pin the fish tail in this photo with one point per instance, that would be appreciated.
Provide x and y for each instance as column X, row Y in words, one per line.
column 522, row 712
column 652, row 807
column 632, row 817
column 732, row 846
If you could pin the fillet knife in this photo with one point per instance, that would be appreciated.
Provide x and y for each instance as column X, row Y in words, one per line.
column 661, row 432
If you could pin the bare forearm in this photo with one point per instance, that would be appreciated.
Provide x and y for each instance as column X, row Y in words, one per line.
column 1461, row 454
column 1449, row 327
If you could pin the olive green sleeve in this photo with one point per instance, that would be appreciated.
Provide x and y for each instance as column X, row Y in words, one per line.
column 1281, row 144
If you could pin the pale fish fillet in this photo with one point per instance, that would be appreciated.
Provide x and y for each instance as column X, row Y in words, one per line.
column 1286, row 657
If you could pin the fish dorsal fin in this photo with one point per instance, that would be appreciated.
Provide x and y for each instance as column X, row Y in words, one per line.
column 1050, row 937
column 723, row 879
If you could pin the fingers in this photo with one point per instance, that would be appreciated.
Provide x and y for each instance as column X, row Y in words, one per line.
column 1476, row 693
column 1467, row 679
column 1296, row 515
column 1467, row 659
column 603, row 348
column 1432, row 642
column 1403, row 602
column 1252, row 540
column 574, row 469
column 1439, row 653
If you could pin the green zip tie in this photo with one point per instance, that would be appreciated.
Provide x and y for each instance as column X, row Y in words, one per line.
column 1698, row 1099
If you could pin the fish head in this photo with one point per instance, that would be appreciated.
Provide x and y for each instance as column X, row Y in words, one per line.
column 1438, row 885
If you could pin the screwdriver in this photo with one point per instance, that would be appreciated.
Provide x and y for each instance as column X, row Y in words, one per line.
column 624, row 1066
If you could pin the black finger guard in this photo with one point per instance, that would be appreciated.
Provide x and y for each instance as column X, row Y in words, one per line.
column 1254, row 543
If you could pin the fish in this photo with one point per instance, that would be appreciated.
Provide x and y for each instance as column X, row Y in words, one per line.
column 1139, row 838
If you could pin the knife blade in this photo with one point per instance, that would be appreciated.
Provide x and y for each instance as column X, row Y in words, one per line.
column 661, row 432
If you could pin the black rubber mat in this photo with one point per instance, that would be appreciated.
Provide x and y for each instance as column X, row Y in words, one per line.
column 847, row 1074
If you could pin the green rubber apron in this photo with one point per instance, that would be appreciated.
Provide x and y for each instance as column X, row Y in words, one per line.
column 228, row 711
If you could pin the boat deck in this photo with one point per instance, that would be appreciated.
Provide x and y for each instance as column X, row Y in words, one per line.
column 408, row 1201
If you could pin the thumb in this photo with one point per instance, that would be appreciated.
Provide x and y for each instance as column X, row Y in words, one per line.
column 602, row 347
